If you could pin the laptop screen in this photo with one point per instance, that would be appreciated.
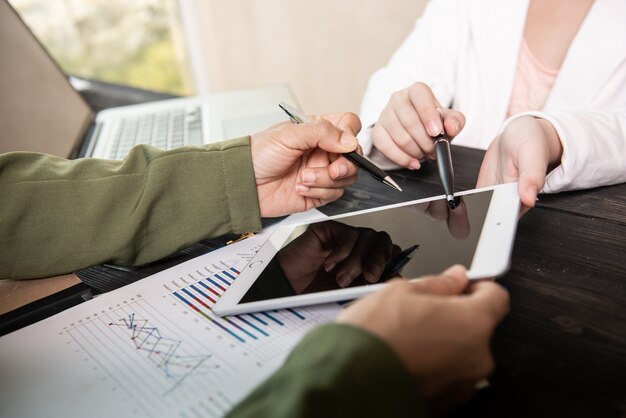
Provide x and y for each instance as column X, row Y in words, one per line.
column 39, row 109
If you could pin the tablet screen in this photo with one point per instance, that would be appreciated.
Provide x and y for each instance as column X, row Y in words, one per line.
column 372, row 247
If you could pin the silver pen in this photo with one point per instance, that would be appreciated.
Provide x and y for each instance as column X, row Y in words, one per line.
column 357, row 159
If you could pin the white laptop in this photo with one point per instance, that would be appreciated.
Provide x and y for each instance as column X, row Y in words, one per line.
column 41, row 111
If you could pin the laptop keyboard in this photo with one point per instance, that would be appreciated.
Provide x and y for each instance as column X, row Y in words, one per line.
column 165, row 130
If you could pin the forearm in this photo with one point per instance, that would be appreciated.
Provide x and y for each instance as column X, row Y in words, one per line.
column 60, row 215
column 336, row 371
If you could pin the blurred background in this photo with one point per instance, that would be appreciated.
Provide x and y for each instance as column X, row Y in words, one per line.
column 325, row 50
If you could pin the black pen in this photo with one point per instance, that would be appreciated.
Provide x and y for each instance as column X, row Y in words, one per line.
column 395, row 266
column 357, row 159
column 444, row 165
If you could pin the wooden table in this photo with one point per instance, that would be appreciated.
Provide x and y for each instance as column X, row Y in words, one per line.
column 561, row 352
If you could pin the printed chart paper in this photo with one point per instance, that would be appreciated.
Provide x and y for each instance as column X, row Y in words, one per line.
column 152, row 348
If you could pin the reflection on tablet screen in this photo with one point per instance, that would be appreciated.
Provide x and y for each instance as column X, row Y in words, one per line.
column 373, row 247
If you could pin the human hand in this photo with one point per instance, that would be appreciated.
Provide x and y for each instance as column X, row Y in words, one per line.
column 336, row 254
column 440, row 327
column 406, row 127
column 299, row 167
column 525, row 151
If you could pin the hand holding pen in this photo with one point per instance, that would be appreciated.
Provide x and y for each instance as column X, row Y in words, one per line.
column 406, row 127
column 297, row 116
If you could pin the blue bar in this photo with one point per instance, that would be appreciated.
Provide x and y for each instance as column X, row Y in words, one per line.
column 244, row 320
column 227, row 274
column 222, row 279
column 296, row 313
column 272, row 318
column 195, row 308
column 239, row 328
column 258, row 319
column 214, row 283
column 201, row 292
column 234, row 270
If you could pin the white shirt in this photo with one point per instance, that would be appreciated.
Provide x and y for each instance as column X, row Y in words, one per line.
column 467, row 51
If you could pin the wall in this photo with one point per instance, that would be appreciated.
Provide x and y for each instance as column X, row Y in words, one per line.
column 324, row 49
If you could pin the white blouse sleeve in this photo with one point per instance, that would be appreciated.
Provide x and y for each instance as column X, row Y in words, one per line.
column 594, row 148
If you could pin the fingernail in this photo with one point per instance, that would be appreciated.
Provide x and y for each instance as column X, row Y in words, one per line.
column 434, row 128
column 329, row 266
column 374, row 271
column 341, row 171
column 343, row 280
column 348, row 141
column 457, row 126
column 301, row 188
column 414, row 165
column 308, row 176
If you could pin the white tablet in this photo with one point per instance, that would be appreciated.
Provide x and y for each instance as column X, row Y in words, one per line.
column 347, row 256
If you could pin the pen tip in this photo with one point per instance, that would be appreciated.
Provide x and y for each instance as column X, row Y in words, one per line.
column 389, row 182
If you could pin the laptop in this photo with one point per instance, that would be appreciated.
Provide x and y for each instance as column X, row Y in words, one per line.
column 41, row 111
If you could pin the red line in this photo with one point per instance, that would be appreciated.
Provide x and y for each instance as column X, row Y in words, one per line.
column 214, row 292
column 202, row 303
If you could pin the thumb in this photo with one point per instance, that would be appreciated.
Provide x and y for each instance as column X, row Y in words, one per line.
column 324, row 135
column 532, row 167
column 453, row 281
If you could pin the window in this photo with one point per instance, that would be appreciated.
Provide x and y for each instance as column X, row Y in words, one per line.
column 136, row 42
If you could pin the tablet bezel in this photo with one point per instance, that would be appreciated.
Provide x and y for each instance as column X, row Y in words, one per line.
column 491, row 258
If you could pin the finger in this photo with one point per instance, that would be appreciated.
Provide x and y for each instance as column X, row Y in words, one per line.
column 490, row 297
column 413, row 125
column 453, row 122
column 318, row 196
column 532, row 175
column 453, row 281
column 321, row 133
column 383, row 142
column 353, row 265
column 346, row 240
column 426, row 105
column 346, row 121
column 321, row 178
column 378, row 257
column 401, row 137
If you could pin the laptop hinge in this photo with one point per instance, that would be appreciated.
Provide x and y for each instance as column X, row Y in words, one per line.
column 89, row 143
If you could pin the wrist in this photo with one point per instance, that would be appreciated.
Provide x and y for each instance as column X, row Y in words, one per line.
column 555, row 148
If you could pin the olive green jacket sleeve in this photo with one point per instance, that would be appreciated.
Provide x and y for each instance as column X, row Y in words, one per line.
column 336, row 371
column 59, row 215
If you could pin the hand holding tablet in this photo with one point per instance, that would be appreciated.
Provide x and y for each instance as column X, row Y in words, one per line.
column 350, row 255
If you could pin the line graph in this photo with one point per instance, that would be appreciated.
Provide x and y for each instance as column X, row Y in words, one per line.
column 153, row 358
column 163, row 352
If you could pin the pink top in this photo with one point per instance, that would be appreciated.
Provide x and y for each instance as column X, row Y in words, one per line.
column 532, row 84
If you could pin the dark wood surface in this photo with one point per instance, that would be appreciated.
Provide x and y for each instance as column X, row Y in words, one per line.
column 561, row 352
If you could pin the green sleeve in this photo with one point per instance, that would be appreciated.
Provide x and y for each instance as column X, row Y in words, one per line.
column 336, row 371
column 61, row 215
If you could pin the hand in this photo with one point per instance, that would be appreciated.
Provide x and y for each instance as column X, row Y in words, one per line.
column 524, row 152
column 406, row 127
column 299, row 167
column 439, row 327
column 336, row 254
